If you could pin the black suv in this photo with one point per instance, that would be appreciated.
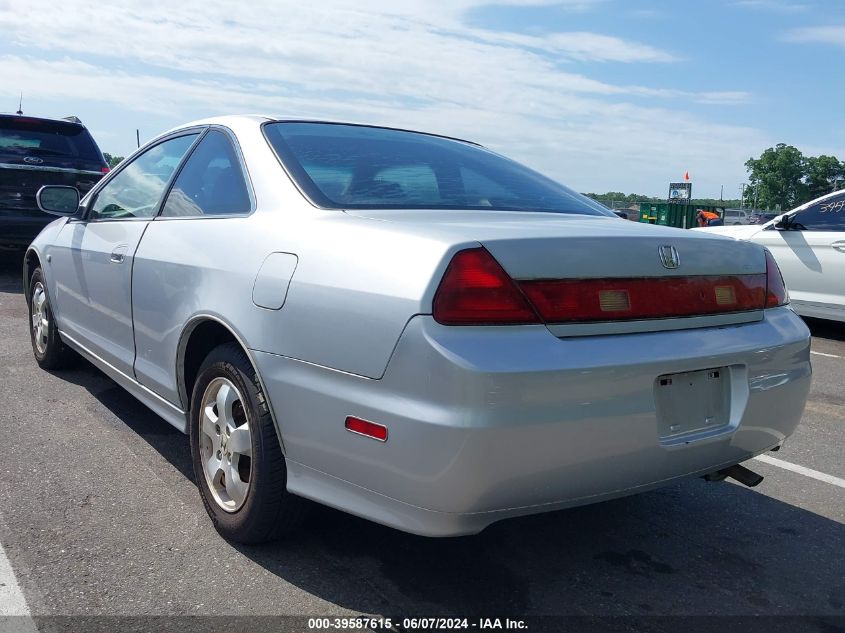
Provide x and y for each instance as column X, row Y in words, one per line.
column 36, row 152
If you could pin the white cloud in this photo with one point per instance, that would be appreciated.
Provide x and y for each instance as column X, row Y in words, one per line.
column 819, row 35
column 413, row 64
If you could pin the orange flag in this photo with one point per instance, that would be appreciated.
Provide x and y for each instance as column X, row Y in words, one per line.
column 686, row 176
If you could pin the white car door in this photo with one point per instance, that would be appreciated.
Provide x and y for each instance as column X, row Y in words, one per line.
column 811, row 256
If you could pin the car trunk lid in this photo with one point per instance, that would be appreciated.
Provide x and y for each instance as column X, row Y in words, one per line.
column 543, row 247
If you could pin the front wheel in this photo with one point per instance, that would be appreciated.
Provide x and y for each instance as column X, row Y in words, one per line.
column 238, row 463
column 47, row 346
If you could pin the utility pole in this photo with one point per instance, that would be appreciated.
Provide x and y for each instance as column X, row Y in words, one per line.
column 721, row 193
column 741, row 195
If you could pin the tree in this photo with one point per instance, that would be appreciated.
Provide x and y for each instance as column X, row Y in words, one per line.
column 777, row 178
column 113, row 161
column 782, row 178
column 822, row 173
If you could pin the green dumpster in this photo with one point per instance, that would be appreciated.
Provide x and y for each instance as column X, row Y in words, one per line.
column 682, row 216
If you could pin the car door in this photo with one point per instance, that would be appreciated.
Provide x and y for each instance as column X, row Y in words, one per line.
column 196, row 255
column 93, row 256
column 811, row 254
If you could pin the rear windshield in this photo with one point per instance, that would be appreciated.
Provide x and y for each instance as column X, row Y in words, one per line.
column 358, row 167
column 45, row 139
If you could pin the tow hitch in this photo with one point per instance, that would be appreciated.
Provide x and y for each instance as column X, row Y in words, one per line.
column 742, row 474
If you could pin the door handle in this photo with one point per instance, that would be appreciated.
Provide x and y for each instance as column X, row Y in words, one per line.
column 118, row 254
column 840, row 246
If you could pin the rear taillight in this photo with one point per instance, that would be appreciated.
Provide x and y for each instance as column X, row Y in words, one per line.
column 477, row 291
column 105, row 170
column 585, row 300
column 776, row 294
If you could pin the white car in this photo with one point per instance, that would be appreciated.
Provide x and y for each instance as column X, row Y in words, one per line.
column 734, row 217
column 808, row 244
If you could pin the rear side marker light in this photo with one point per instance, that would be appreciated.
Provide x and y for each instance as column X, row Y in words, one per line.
column 366, row 428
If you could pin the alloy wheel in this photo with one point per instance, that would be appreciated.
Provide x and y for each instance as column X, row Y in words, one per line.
column 40, row 323
column 225, row 444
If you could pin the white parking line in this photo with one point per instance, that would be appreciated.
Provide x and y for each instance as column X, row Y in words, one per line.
column 802, row 470
column 12, row 602
column 825, row 355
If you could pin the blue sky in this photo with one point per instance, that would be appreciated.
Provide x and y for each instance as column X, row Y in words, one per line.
column 602, row 95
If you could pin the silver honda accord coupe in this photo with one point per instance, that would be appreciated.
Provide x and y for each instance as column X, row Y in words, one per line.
column 409, row 327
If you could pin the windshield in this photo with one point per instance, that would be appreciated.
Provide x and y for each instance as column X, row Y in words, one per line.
column 47, row 139
column 357, row 167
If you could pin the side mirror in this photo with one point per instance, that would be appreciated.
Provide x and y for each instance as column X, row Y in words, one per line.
column 56, row 200
column 781, row 222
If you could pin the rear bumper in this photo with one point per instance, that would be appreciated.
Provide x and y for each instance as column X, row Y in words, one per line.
column 487, row 423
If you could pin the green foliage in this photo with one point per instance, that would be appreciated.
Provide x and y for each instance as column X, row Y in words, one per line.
column 783, row 178
column 113, row 161
column 822, row 174
column 617, row 200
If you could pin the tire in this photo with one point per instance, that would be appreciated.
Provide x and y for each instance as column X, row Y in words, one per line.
column 47, row 345
column 241, row 475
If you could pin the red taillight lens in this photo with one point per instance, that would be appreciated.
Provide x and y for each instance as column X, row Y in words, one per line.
column 476, row 290
column 584, row 300
column 776, row 294
column 105, row 170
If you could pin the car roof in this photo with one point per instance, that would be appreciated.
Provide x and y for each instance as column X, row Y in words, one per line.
column 26, row 117
column 234, row 120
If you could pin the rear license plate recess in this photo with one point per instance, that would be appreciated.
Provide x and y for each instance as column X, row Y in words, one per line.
column 692, row 402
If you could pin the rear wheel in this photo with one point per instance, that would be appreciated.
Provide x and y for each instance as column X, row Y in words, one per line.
column 47, row 345
column 238, row 463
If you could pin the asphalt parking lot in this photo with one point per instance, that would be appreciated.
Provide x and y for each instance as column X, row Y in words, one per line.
column 99, row 515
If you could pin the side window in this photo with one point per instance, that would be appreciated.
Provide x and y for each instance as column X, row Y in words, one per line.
column 827, row 215
column 137, row 190
column 210, row 183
